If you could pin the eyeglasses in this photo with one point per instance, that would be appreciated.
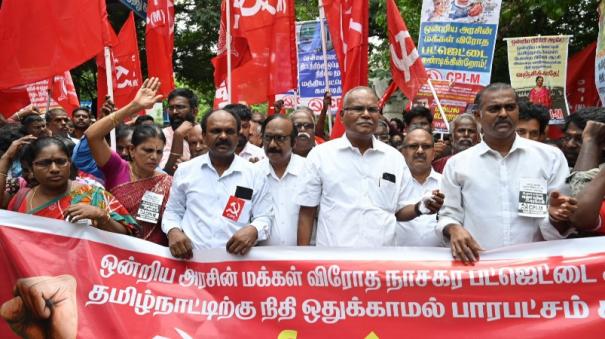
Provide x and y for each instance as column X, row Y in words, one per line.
column 280, row 139
column 361, row 109
column 46, row 163
column 305, row 125
column 498, row 108
column 415, row 147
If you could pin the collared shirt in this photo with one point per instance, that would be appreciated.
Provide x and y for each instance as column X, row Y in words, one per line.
column 199, row 197
column 419, row 231
column 252, row 151
column 357, row 194
column 285, row 225
column 481, row 189
column 169, row 134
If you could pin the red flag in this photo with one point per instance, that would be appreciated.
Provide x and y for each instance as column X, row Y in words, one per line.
column 266, row 31
column 126, row 67
column 407, row 68
column 40, row 39
column 12, row 100
column 581, row 88
column 388, row 92
column 348, row 25
column 159, row 42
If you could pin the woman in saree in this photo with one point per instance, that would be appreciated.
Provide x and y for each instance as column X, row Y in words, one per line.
column 540, row 95
column 58, row 197
column 137, row 183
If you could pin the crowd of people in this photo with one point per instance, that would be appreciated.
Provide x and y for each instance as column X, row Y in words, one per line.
column 239, row 179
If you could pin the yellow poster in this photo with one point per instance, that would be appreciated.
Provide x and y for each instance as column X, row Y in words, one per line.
column 538, row 72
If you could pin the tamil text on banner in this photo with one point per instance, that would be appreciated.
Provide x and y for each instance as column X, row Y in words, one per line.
column 581, row 89
column 103, row 285
column 457, row 39
column 139, row 7
column 538, row 72
column 600, row 54
column 456, row 98
column 311, row 77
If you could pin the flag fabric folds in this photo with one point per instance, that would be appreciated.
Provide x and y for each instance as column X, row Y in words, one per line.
column 263, row 50
column 41, row 39
column 348, row 26
column 407, row 68
column 159, row 42
column 126, row 67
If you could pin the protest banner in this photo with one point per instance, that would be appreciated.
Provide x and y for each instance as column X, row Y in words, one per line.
column 311, row 77
column 102, row 285
column 540, row 58
column 581, row 89
column 456, row 98
column 457, row 39
column 139, row 7
column 600, row 54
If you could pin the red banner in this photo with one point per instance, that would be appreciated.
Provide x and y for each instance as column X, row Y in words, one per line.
column 581, row 89
column 455, row 98
column 62, row 94
column 104, row 285
column 267, row 31
column 126, row 67
column 348, row 24
column 159, row 42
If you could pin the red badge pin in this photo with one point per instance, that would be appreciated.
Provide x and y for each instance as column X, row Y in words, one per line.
column 234, row 208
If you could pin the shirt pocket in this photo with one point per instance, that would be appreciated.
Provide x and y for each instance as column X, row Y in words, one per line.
column 383, row 195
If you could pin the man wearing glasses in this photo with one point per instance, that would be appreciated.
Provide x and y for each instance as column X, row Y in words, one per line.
column 356, row 181
column 304, row 125
column 282, row 170
column 419, row 151
column 503, row 191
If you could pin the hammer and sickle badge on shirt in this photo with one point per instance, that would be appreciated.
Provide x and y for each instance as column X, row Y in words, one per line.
column 235, row 204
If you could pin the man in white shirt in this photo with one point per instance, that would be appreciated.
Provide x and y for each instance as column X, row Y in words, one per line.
column 217, row 199
column 245, row 149
column 282, row 168
column 356, row 181
column 496, row 192
column 419, row 152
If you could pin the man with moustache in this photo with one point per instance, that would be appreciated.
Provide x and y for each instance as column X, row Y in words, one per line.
column 81, row 118
column 245, row 148
column 217, row 199
column 465, row 134
column 182, row 106
column 282, row 170
column 418, row 151
column 496, row 191
column 56, row 122
column 304, row 124
column 357, row 182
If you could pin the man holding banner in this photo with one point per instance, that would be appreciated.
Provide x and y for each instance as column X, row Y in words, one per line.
column 496, row 192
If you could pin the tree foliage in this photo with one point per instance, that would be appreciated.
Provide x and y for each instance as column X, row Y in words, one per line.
column 197, row 25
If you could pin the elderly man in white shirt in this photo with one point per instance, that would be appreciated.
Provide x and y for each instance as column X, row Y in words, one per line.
column 418, row 151
column 217, row 199
column 283, row 169
column 356, row 181
column 245, row 148
column 496, row 192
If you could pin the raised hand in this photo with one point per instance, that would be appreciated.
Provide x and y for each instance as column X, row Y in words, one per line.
column 147, row 94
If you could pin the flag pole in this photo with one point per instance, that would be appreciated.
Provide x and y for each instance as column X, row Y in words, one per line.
column 228, row 42
column 441, row 112
column 49, row 92
column 109, row 77
column 324, row 49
